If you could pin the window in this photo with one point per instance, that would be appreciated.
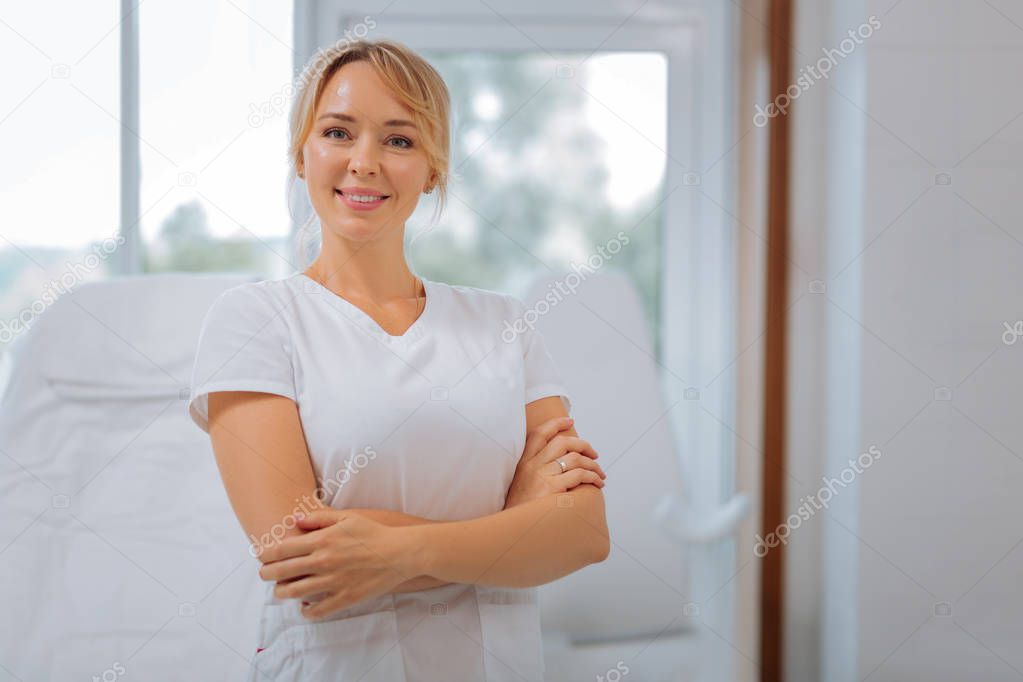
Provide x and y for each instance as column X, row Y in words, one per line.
column 215, row 83
column 538, row 192
column 213, row 96
column 59, row 131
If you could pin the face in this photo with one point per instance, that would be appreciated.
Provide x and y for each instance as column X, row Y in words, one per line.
column 362, row 143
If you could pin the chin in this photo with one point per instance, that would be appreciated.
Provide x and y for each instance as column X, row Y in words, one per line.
column 359, row 229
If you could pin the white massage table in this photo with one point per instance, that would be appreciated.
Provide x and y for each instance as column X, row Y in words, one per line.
column 119, row 551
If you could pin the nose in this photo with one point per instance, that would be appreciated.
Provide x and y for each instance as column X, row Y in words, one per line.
column 363, row 160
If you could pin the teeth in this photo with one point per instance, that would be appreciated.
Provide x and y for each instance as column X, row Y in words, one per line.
column 364, row 199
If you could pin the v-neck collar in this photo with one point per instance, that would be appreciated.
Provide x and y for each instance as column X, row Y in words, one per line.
column 356, row 314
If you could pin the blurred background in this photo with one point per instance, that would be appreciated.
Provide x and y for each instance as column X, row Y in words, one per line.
column 870, row 150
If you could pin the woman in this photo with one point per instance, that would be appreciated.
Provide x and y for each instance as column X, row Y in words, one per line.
column 370, row 426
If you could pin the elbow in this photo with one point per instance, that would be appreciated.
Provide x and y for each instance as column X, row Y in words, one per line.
column 601, row 552
column 601, row 548
column 605, row 550
column 599, row 542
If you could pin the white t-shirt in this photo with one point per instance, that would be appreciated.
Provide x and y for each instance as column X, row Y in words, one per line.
column 430, row 423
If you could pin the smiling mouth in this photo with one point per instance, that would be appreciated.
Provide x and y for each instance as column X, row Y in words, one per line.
column 362, row 199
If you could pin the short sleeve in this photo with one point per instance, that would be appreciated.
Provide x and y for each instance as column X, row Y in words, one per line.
column 244, row 345
column 542, row 377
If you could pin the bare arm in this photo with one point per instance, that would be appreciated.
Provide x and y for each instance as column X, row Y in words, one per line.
column 526, row 545
column 264, row 463
column 546, row 534
column 394, row 518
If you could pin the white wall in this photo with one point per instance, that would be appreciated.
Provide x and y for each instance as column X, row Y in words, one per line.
column 933, row 528
column 942, row 514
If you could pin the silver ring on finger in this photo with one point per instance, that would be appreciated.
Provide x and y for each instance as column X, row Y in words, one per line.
column 563, row 467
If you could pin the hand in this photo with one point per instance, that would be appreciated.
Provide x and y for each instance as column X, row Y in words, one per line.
column 538, row 473
column 343, row 557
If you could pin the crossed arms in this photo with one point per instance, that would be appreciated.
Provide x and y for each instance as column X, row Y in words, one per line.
column 265, row 466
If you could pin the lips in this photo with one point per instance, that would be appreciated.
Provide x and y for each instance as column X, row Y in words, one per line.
column 356, row 205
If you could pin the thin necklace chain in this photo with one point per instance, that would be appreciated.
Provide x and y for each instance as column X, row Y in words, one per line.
column 415, row 292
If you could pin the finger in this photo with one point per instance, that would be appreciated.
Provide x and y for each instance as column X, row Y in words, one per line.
column 325, row 607
column 290, row 547
column 286, row 569
column 319, row 518
column 538, row 437
column 305, row 588
column 571, row 479
column 573, row 460
column 561, row 445
column 296, row 545
column 584, row 462
column 315, row 598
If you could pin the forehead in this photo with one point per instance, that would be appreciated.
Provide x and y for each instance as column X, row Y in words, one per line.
column 356, row 89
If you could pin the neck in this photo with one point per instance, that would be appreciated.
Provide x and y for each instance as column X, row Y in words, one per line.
column 376, row 270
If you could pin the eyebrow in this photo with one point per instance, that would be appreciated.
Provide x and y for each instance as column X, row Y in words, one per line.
column 393, row 123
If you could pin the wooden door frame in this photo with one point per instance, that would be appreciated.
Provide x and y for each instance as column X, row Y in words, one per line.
column 772, row 574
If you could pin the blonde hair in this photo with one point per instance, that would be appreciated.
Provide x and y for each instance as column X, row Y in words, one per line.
column 414, row 82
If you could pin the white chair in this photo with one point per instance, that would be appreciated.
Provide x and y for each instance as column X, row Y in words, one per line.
column 633, row 609
column 119, row 552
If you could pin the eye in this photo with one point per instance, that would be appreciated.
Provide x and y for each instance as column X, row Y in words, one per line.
column 406, row 143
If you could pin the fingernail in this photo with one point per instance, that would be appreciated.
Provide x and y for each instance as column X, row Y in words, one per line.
column 299, row 515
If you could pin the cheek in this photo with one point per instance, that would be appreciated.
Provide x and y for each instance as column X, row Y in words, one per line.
column 320, row 155
column 411, row 173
